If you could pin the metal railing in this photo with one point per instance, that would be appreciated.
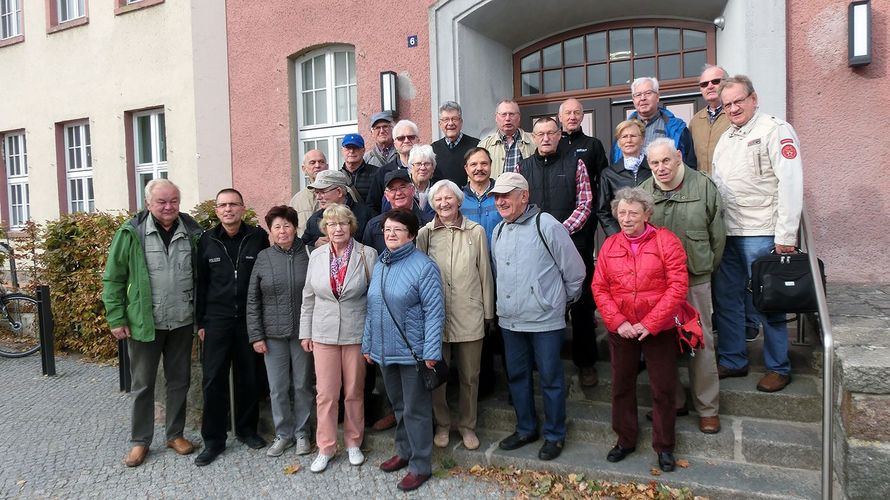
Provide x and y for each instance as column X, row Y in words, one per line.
column 827, row 357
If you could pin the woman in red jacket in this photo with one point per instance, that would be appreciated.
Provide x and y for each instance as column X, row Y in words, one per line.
column 639, row 284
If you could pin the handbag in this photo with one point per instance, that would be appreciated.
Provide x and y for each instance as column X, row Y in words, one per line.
column 783, row 283
column 433, row 377
column 689, row 329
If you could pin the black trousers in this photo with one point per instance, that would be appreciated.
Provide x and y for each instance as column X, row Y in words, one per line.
column 584, row 350
column 226, row 345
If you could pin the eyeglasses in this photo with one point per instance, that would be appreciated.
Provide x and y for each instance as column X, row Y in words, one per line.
column 453, row 119
column 422, row 164
column 380, row 128
column 402, row 188
column 737, row 103
column 647, row 93
column 337, row 224
column 228, row 205
column 715, row 81
column 325, row 191
column 394, row 230
column 403, row 138
column 505, row 114
column 550, row 134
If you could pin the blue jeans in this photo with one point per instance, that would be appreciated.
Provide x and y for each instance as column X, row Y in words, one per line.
column 521, row 349
column 729, row 306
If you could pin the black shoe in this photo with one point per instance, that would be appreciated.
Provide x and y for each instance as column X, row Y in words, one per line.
column 666, row 461
column 551, row 449
column 618, row 453
column 207, row 456
column 681, row 412
column 516, row 440
column 253, row 442
column 751, row 333
column 724, row 372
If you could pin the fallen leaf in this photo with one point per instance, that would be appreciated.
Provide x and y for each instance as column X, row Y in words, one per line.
column 683, row 463
column 476, row 469
column 655, row 472
column 291, row 469
column 21, row 483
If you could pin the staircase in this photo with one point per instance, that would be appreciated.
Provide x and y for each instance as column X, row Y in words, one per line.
column 768, row 448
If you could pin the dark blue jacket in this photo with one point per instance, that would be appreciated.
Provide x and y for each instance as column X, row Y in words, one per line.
column 676, row 129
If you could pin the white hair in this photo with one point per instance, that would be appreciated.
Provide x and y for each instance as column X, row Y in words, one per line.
column 156, row 183
column 422, row 152
column 643, row 79
column 661, row 141
column 405, row 123
column 445, row 183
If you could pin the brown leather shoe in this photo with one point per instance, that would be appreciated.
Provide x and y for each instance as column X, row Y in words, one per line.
column 136, row 456
column 724, row 372
column 181, row 445
column 393, row 464
column 709, row 425
column 588, row 376
column 387, row 422
column 773, row 382
column 412, row 481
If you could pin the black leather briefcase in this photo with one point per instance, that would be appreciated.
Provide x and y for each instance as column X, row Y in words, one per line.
column 784, row 283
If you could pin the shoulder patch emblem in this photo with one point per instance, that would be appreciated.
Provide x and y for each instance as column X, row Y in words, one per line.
column 786, row 141
column 789, row 151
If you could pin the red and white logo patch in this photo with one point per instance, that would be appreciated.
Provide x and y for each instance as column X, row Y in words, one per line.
column 789, row 151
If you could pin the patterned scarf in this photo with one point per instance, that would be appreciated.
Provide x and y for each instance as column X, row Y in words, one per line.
column 338, row 268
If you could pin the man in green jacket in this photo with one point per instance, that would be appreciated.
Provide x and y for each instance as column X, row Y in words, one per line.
column 148, row 291
column 687, row 202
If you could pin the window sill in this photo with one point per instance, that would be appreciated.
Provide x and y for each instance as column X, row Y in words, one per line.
column 80, row 21
column 12, row 40
column 144, row 4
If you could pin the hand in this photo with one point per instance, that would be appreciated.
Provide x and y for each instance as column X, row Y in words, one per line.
column 260, row 347
column 641, row 331
column 627, row 331
column 785, row 249
column 201, row 334
column 121, row 333
column 368, row 359
column 323, row 240
column 430, row 363
column 491, row 324
column 307, row 345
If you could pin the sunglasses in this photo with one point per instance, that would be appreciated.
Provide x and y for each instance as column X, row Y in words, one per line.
column 403, row 138
column 715, row 81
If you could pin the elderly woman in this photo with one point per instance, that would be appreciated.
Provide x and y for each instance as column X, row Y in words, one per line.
column 331, row 325
column 629, row 171
column 460, row 248
column 639, row 284
column 273, row 317
column 406, row 313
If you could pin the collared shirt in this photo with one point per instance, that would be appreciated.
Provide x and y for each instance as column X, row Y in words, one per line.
column 453, row 144
column 583, row 199
column 655, row 128
column 165, row 234
column 713, row 114
column 512, row 154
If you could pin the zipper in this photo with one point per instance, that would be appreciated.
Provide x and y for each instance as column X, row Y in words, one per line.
column 236, row 262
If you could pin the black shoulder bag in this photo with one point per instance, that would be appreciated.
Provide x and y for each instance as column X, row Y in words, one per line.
column 784, row 283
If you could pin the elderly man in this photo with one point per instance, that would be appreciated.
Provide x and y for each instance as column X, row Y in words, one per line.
column 453, row 146
column 406, row 135
column 331, row 186
column 381, row 131
column 709, row 123
column 585, row 148
column 399, row 193
column 559, row 185
column 509, row 144
column 226, row 255
column 687, row 202
column 148, row 286
column 304, row 201
column 758, row 170
column 658, row 120
column 359, row 172
column 478, row 204
column 538, row 273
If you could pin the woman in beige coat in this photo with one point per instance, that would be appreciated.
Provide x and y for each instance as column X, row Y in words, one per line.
column 460, row 248
column 331, row 325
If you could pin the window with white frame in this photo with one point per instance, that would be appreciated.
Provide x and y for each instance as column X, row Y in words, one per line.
column 79, row 168
column 150, row 149
column 326, row 101
column 10, row 18
column 15, row 153
column 70, row 9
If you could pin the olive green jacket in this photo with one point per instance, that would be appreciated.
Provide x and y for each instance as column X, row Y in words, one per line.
column 695, row 214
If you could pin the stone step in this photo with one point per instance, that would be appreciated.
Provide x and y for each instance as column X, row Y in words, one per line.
column 713, row 478
column 742, row 439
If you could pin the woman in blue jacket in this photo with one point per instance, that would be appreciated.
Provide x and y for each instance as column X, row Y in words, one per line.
column 405, row 302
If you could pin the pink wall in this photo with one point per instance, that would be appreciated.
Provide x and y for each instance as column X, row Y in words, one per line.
column 261, row 41
column 840, row 114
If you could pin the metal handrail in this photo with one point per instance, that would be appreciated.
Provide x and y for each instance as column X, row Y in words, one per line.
column 827, row 357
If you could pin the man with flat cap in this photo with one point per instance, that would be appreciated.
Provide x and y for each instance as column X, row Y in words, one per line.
column 399, row 191
column 381, row 131
column 332, row 186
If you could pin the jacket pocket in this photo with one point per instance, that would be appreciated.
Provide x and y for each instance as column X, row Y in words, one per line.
column 700, row 258
column 756, row 211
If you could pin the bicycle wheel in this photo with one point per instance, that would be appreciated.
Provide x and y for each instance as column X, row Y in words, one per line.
column 19, row 325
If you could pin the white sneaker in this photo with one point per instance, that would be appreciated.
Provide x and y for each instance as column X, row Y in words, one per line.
column 356, row 457
column 278, row 446
column 320, row 463
column 304, row 446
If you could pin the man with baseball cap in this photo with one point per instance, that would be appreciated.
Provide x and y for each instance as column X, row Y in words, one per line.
column 399, row 191
column 360, row 174
column 332, row 186
column 381, row 131
column 539, row 272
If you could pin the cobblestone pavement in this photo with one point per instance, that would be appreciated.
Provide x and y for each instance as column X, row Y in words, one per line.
column 66, row 436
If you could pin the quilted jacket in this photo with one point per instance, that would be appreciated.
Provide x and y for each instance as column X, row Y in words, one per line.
column 275, row 293
column 647, row 288
column 413, row 288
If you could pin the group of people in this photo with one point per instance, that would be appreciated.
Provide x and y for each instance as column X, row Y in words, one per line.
column 410, row 254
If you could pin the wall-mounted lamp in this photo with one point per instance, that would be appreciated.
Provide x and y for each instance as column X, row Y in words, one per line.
column 389, row 92
column 859, row 28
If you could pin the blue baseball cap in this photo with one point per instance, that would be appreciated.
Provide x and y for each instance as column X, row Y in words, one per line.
column 353, row 140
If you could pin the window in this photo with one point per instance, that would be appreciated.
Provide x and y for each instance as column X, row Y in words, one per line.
column 150, row 149
column 15, row 155
column 79, row 168
column 10, row 18
column 326, row 101
column 66, row 10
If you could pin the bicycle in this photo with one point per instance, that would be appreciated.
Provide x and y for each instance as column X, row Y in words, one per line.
column 19, row 317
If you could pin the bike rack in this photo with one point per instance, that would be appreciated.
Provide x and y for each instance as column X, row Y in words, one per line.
column 47, row 327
